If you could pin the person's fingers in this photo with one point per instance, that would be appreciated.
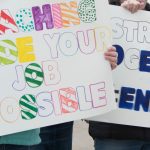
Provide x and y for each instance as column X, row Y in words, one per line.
column 131, row 5
column 142, row 5
column 111, row 48
column 135, row 7
column 111, row 53
column 127, row 5
column 111, row 59
column 113, row 66
column 124, row 4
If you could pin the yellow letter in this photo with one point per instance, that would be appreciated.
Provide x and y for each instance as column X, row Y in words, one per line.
column 103, row 38
column 25, row 49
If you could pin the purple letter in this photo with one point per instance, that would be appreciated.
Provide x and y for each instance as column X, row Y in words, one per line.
column 40, row 18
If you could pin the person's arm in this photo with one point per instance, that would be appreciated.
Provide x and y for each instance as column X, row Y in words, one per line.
column 111, row 55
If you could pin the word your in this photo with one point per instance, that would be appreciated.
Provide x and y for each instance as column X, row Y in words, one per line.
column 57, row 102
column 59, row 15
column 67, row 44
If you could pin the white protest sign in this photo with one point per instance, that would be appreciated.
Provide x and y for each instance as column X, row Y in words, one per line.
column 52, row 68
column 131, row 36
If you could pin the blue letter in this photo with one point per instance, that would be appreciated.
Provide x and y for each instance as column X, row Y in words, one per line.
column 145, row 61
column 142, row 100
column 120, row 52
column 126, row 98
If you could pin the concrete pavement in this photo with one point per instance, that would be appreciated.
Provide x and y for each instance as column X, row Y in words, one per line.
column 81, row 138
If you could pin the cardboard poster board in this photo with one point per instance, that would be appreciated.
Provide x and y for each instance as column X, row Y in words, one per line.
column 52, row 68
column 131, row 36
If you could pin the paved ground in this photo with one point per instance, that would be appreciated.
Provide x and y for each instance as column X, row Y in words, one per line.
column 81, row 138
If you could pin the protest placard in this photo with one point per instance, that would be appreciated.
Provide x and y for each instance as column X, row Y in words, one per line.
column 52, row 68
column 131, row 37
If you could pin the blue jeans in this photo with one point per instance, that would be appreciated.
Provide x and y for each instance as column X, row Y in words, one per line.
column 107, row 144
column 57, row 137
column 17, row 147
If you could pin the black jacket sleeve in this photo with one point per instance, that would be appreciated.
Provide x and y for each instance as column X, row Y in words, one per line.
column 114, row 2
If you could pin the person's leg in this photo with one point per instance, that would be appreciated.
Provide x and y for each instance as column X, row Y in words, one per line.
column 57, row 137
column 107, row 144
column 146, row 146
column 19, row 147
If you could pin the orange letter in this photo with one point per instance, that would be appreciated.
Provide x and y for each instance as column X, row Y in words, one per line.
column 69, row 14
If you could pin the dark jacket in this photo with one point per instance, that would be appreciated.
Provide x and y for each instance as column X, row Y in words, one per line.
column 114, row 131
column 102, row 130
